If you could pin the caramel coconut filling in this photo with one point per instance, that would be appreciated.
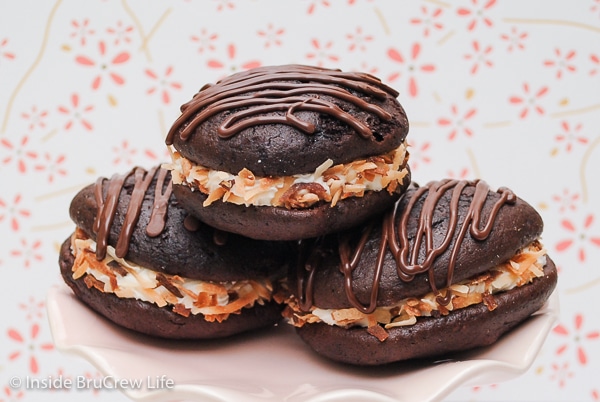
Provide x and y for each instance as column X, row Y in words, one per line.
column 329, row 183
column 521, row 269
column 215, row 300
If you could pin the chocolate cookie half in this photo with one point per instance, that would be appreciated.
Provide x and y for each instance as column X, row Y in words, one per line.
column 290, row 152
column 140, row 260
column 452, row 266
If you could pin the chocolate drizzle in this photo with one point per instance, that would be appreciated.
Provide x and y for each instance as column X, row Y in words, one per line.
column 159, row 210
column 191, row 223
column 107, row 207
column 220, row 237
column 411, row 259
column 256, row 95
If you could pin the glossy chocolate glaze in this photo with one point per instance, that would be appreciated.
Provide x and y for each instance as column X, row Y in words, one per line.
column 107, row 207
column 184, row 246
column 254, row 94
column 411, row 257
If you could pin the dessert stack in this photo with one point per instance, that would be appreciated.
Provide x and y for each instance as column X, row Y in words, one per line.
column 289, row 196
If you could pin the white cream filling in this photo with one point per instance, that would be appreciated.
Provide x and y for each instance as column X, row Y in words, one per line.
column 212, row 299
column 335, row 182
column 521, row 269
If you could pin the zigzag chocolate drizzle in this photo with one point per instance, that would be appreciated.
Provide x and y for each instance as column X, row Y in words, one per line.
column 395, row 239
column 261, row 91
column 107, row 208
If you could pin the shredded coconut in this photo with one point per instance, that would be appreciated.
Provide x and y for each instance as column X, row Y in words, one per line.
column 329, row 183
column 522, row 268
column 215, row 300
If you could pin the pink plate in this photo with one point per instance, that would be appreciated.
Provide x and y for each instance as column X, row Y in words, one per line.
column 274, row 364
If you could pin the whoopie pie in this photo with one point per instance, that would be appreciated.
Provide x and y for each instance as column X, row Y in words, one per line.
column 139, row 259
column 452, row 266
column 290, row 152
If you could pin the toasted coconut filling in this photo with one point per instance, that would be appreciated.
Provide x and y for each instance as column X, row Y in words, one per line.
column 215, row 300
column 327, row 183
column 521, row 269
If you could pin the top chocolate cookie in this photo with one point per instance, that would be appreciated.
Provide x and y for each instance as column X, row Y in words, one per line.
column 285, row 120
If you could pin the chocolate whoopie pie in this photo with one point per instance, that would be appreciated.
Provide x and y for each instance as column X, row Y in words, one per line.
column 139, row 259
column 290, row 152
column 452, row 266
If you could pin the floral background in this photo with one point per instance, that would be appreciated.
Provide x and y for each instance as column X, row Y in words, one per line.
column 507, row 91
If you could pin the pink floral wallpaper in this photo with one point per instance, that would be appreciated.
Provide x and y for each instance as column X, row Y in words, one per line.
column 507, row 91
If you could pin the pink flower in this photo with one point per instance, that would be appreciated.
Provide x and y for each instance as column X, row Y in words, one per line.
column 52, row 166
column 271, row 35
column 314, row 4
column 595, row 8
column 225, row 4
column 478, row 388
column 479, row 57
column 529, row 100
column 76, row 112
column 566, row 200
column 13, row 212
column 515, row 39
column 595, row 59
column 575, row 338
column 33, row 309
column 12, row 395
column 28, row 252
column 3, row 53
column 124, row 153
column 162, row 84
column 366, row 68
column 322, row 53
column 477, row 13
column 457, row 122
column 82, row 30
column 205, row 40
column 579, row 237
column 460, row 174
column 561, row 374
column 106, row 64
column 19, row 153
column 28, row 344
column 418, row 154
column 36, row 117
column 120, row 32
column 570, row 136
column 429, row 20
column 562, row 62
column 231, row 53
column 154, row 155
column 411, row 67
column 358, row 40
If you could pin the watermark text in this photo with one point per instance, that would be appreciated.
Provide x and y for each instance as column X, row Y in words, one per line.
column 60, row 382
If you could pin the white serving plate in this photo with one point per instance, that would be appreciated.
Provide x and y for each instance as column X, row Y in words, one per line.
column 275, row 365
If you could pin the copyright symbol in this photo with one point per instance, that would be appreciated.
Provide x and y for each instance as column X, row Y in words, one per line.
column 15, row 382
